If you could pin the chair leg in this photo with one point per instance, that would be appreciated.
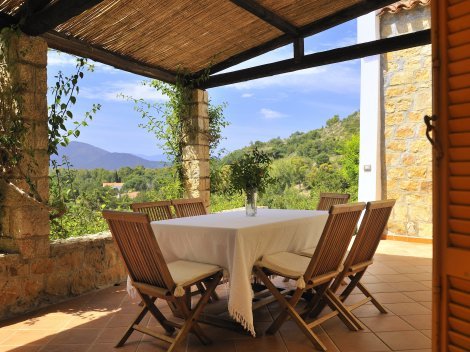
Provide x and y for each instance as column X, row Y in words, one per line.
column 372, row 298
column 288, row 308
column 150, row 304
column 191, row 316
column 343, row 313
column 131, row 329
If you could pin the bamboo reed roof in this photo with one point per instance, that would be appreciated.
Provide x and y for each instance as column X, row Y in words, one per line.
column 160, row 38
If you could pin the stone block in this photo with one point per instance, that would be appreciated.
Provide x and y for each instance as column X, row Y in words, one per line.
column 403, row 104
column 426, row 186
column 405, row 131
column 396, row 146
column 420, row 213
column 29, row 221
column 425, row 229
column 33, row 286
column 196, row 152
column 57, row 284
column 199, row 95
column 42, row 266
column 417, row 172
column 94, row 258
column 199, row 111
column 34, row 106
column 394, row 118
column 12, row 291
column 32, row 50
column 33, row 246
column 417, row 146
column 82, row 281
column 408, row 159
column 423, row 101
column 401, row 78
column 410, row 185
column 415, row 116
column 70, row 261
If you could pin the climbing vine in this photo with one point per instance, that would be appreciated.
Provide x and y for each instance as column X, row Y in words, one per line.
column 170, row 123
column 17, row 157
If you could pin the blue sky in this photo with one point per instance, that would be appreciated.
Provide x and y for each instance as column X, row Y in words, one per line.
column 257, row 110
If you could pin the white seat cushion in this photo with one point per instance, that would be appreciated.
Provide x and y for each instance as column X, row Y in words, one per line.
column 184, row 273
column 286, row 264
column 307, row 252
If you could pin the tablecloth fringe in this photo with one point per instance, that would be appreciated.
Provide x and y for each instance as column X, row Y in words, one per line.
column 241, row 319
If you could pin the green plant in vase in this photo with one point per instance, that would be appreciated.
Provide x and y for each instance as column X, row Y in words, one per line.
column 250, row 174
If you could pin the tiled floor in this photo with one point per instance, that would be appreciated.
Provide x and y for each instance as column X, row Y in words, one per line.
column 400, row 277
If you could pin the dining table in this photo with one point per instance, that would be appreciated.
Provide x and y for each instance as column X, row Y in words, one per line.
column 236, row 242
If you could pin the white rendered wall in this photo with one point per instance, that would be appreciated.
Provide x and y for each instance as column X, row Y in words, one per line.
column 370, row 187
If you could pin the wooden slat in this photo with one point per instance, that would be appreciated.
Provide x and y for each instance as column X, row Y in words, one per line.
column 459, row 240
column 460, row 285
column 459, row 154
column 459, row 24
column 459, row 297
column 460, row 340
column 459, row 82
column 460, row 125
column 460, row 139
column 459, row 211
column 459, row 197
column 460, row 183
column 460, row 326
column 459, row 67
column 459, row 168
column 459, row 311
column 460, row 96
column 460, row 52
column 459, row 38
column 460, row 226
column 457, row 111
column 458, row 10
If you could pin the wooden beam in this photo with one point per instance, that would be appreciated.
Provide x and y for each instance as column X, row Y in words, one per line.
column 299, row 51
column 322, row 58
column 51, row 16
column 77, row 47
column 315, row 27
column 267, row 16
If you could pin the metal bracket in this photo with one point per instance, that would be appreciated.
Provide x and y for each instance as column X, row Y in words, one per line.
column 428, row 120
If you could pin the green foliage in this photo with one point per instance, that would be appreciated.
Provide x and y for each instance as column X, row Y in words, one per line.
column 251, row 172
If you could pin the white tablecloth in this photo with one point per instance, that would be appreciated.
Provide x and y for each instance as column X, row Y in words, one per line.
column 235, row 242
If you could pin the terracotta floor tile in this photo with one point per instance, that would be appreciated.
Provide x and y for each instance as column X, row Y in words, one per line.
column 371, row 279
column 368, row 310
column 420, row 277
column 335, row 325
column 408, row 286
column 268, row 343
column 420, row 296
column 64, row 347
column 296, row 341
column 27, row 348
column 392, row 297
column 402, row 340
column 366, row 342
column 420, row 350
column 386, row 323
column 29, row 337
column 76, row 336
column 427, row 283
column 377, row 269
column 428, row 305
column 407, row 308
column 393, row 278
column 109, row 347
column 420, row 322
column 381, row 287
column 411, row 269
column 113, row 335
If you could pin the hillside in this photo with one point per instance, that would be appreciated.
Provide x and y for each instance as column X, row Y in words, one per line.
column 86, row 156
column 320, row 145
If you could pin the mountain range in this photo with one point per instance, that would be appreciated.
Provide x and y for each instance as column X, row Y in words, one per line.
column 86, row 156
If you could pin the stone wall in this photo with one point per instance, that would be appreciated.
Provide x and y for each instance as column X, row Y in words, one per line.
column 75, row 266
column 33, row 270
column 196, row 151
column 407, row 155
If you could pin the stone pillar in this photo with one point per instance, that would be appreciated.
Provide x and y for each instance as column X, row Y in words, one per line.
column 196, row 149
column 24, row 224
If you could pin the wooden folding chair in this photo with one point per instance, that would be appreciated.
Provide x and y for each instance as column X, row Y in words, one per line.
column 154, row 279
column 155, row 210
column 189, row 207
column 362, row 253
column 315, row 273
column 329, row 199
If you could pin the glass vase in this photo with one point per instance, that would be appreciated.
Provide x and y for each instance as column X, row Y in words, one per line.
column 250, row 204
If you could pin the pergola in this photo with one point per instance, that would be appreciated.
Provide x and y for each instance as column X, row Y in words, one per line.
column 161, row 39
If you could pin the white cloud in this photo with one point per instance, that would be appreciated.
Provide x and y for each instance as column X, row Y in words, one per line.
column 269, row 114
column 247, row 95
column 59, row 59
column 114, row 91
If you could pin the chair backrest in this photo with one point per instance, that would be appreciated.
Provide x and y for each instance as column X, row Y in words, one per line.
column 155, row 210
column 335, row 239
column 329, row 199
column 370, row 232
column 139, row 248
column 189, row 207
